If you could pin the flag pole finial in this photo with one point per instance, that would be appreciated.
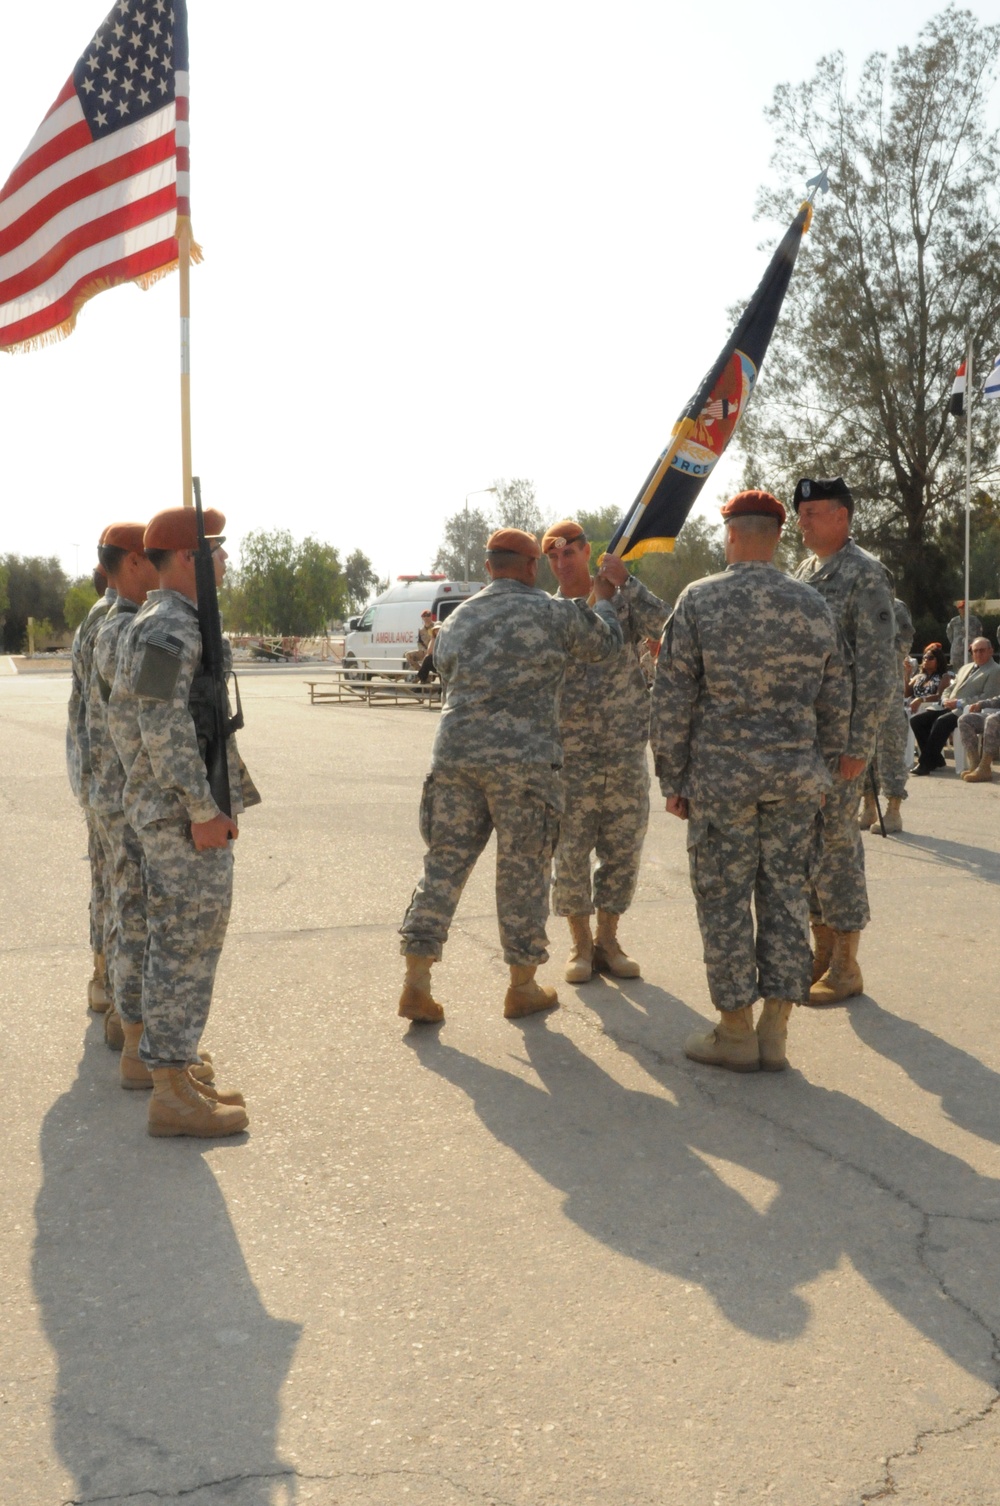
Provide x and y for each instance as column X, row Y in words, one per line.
column 819, row 184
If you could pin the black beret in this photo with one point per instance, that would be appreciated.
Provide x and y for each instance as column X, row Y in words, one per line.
column 834, row 489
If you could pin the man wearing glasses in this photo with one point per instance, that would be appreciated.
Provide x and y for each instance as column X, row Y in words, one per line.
column 977, row 681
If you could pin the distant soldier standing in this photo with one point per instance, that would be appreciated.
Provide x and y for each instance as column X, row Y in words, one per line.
column 751, row 703
column 956, row 634
column 496, row 765
column 157, row 714
column 604, row 725
column 858, row 590
column 888, row 766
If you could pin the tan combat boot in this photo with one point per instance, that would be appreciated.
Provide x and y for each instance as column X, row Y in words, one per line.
column 98, row 996
column 415, row 1002
column 212, row 1093
column 822, row 950
column 842, row 979
column 525, row 996
column 113, row 1031
column 133, row 1073
column 580, row 963
column 893, row 817
column 608, row 955
column 869, row 814
column 982, row 773
column 177, row 1108
column 732, row 1044
column 772, row 1033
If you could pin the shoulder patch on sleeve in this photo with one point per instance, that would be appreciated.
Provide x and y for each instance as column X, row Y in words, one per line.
column 883, row 616
column 160, row 667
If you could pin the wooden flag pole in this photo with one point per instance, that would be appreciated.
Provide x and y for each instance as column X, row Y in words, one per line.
column 184, row 269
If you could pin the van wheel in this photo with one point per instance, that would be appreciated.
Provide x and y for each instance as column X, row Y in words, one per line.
column 351, row 670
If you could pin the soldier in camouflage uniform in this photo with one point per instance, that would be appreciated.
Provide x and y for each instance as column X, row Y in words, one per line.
column 496, row 765
column 858, row 590
column 979, row 729
column 604, row 725
column 78, row 770
column 130, row 575
column 750, row 712
column 888, row 768
column 956, row 634
column 157, row 715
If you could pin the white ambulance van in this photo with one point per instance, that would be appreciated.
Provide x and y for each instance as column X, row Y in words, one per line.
column 377, row 641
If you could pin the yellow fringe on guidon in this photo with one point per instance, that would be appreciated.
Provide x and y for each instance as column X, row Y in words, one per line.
column 650, row 546
column 89, row 291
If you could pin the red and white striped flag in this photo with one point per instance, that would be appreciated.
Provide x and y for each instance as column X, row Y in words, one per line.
column 95, row 199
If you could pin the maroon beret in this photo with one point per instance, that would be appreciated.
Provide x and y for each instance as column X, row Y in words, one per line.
column 754, row 504
column 127, row 536
column 514, row 541
column 177, row 528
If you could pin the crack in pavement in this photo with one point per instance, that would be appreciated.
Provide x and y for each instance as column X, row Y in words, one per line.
column 926, row 1217
column 487, row 1499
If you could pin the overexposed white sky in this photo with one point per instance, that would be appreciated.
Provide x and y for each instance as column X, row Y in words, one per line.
column 444, row 243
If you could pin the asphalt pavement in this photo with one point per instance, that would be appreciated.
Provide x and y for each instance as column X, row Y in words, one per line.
column 550, row 1263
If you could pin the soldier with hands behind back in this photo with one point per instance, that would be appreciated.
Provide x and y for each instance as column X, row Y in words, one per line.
column 750, row 708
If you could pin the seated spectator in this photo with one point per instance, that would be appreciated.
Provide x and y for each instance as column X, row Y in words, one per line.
column 427, row 662
column 931, row 678
column 933, row 727
column 979, row 729
column 425, row 641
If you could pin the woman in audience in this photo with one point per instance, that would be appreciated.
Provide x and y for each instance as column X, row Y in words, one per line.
column 931, row 680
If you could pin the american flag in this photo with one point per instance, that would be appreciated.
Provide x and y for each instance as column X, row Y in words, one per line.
column 94, row 201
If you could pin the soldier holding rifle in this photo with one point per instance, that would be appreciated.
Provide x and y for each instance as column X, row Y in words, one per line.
column 182, row 796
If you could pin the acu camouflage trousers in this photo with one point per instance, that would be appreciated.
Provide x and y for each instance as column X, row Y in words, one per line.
column 839, row 896
column 980, row 734
column 461, row 806
column 607, row 812
column 98, row 883
column 889, row 763
column 125, row 934
column 766, row 852
column 188, row 899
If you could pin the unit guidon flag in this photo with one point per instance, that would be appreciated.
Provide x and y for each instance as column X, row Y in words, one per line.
column 94, row 201
column 708, row 421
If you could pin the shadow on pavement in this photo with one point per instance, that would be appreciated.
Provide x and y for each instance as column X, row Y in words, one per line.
column 982, row 862
column 170, row 1369
column 632, row 1167
column 969, row 1091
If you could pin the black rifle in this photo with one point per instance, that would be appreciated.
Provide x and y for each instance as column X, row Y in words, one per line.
column 878, row 807
column 213, row 665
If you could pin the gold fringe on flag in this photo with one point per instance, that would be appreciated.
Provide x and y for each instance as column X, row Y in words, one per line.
column 649, row 546
column 90, row 290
